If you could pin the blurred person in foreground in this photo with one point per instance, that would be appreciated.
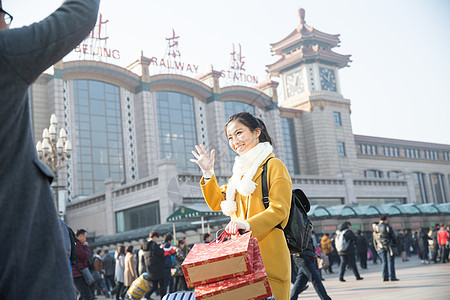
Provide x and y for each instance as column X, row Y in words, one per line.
column 26, row 202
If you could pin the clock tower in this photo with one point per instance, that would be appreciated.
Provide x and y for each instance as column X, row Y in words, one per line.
column 309, row 72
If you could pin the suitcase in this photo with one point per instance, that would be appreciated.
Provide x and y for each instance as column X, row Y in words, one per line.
column 139, row 287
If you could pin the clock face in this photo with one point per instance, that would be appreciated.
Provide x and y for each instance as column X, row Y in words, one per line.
column 294, row 83
column 327, row 80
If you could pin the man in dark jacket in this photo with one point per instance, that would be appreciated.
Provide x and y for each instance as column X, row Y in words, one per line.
column 307, row 271
column 83, row 253
column 386, row 241
column 434, row 237
column 26, row 201
column 348, row 254
column 361, row 249
column 154, row 263
column 109, row 264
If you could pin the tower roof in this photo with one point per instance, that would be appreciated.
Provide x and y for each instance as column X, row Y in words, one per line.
column 305, row 44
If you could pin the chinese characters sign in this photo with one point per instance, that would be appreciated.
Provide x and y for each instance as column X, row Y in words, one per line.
column 95, row 44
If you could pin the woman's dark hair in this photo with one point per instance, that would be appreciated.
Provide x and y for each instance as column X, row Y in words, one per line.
column 130, row 249
column 153, row 234
column 120, row 250
column 252, row 123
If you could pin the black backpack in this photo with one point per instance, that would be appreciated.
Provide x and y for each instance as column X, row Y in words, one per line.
column 73, row 247
column 298, row 228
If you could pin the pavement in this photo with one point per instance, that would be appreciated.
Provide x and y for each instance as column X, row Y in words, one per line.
column 417, row 281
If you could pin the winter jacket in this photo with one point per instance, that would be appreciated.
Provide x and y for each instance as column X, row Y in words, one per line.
column 325, row 244
column 350, row 237
column 154, row 260
column 443, row 236
column 386, row 236
column 108, row 265
column 361, row 244
column 168, row 252
column 262, row 221
column 83, row 255
column 129, row 274
column 120, row 268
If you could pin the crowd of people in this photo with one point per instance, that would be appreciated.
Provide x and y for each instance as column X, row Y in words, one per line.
column 344, row 248
column 114, row 273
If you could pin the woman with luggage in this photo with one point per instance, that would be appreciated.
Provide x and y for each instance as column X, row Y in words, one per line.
column 241, row 198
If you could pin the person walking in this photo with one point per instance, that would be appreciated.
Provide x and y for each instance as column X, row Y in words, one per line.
column 129, row 273
column 402, row 245
column 119, row 272
column 241, row 198
column 307, row 271
column 345, row 245
column 100, row 286
column 361, row 249
column 434, row 237
column 423, row 245
column 385, row 242
column 109, row 266
column 169, row 251
column 443, row 240
column 140, row 259
column 154, row 262
column 327, row 249
column 83, row 253
column 29, row 221
column 180, row 255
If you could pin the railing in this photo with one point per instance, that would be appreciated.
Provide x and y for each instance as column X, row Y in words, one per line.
column 134, row 187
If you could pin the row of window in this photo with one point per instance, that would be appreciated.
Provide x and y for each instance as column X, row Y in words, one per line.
column 436, row 184
column 395, row 151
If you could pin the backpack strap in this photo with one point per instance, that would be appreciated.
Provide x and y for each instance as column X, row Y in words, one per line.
column 265, row 190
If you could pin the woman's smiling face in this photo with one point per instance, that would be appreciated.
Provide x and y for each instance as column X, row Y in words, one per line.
column 240, row 138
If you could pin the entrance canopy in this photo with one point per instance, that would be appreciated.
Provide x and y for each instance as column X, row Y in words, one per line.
column 194, row 212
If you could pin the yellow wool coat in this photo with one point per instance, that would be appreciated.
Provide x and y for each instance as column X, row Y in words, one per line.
column 271, row 240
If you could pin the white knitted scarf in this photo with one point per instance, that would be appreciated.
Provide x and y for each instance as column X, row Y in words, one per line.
column 245, row 165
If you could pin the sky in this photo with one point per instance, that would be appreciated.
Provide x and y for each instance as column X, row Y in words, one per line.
column 398, row 81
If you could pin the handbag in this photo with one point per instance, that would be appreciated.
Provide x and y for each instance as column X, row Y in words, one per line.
column 87, row 276
column 298, row 228
column 323, row 262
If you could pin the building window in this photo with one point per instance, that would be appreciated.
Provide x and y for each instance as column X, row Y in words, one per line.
column 98, row 125
column 391, row 151
column 138, row 217
column 290, row 145
column 373, row 174
column 437, row 183
column 337, row 118
column 394, row 174
column 446, row 155
column 341, row 149
column 420, row 187
column 177, row 129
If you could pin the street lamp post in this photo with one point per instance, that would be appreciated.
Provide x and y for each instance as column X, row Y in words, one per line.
column 54, row 152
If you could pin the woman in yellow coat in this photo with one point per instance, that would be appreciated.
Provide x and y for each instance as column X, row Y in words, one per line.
column 241, row 198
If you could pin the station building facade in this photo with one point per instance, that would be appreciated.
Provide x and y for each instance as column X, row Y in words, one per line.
column 133, row 133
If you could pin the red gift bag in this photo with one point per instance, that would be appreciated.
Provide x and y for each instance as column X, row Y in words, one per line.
column 218, row 261
column 253, row 286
